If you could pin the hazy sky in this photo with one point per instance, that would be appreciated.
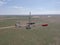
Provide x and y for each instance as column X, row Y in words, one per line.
column 25, row 6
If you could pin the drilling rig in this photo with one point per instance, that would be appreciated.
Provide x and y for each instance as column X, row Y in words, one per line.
column 29, row 22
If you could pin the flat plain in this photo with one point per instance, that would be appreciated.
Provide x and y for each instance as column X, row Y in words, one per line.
column 37, row 35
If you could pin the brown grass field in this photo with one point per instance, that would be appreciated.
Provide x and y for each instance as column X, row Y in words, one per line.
column 37, row 35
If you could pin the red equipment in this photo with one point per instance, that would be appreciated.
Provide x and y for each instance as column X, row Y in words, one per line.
column 44, row 25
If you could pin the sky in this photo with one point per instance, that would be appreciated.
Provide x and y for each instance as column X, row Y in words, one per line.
column 17, row 7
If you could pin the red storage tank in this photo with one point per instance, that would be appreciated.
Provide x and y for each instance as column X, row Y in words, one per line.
column 44, row 25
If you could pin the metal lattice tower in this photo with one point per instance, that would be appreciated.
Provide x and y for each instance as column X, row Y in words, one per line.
column 29, row 17
column 29, row 21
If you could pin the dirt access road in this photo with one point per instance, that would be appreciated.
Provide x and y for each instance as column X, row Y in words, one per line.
column 11, row 27
column 7, row 27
